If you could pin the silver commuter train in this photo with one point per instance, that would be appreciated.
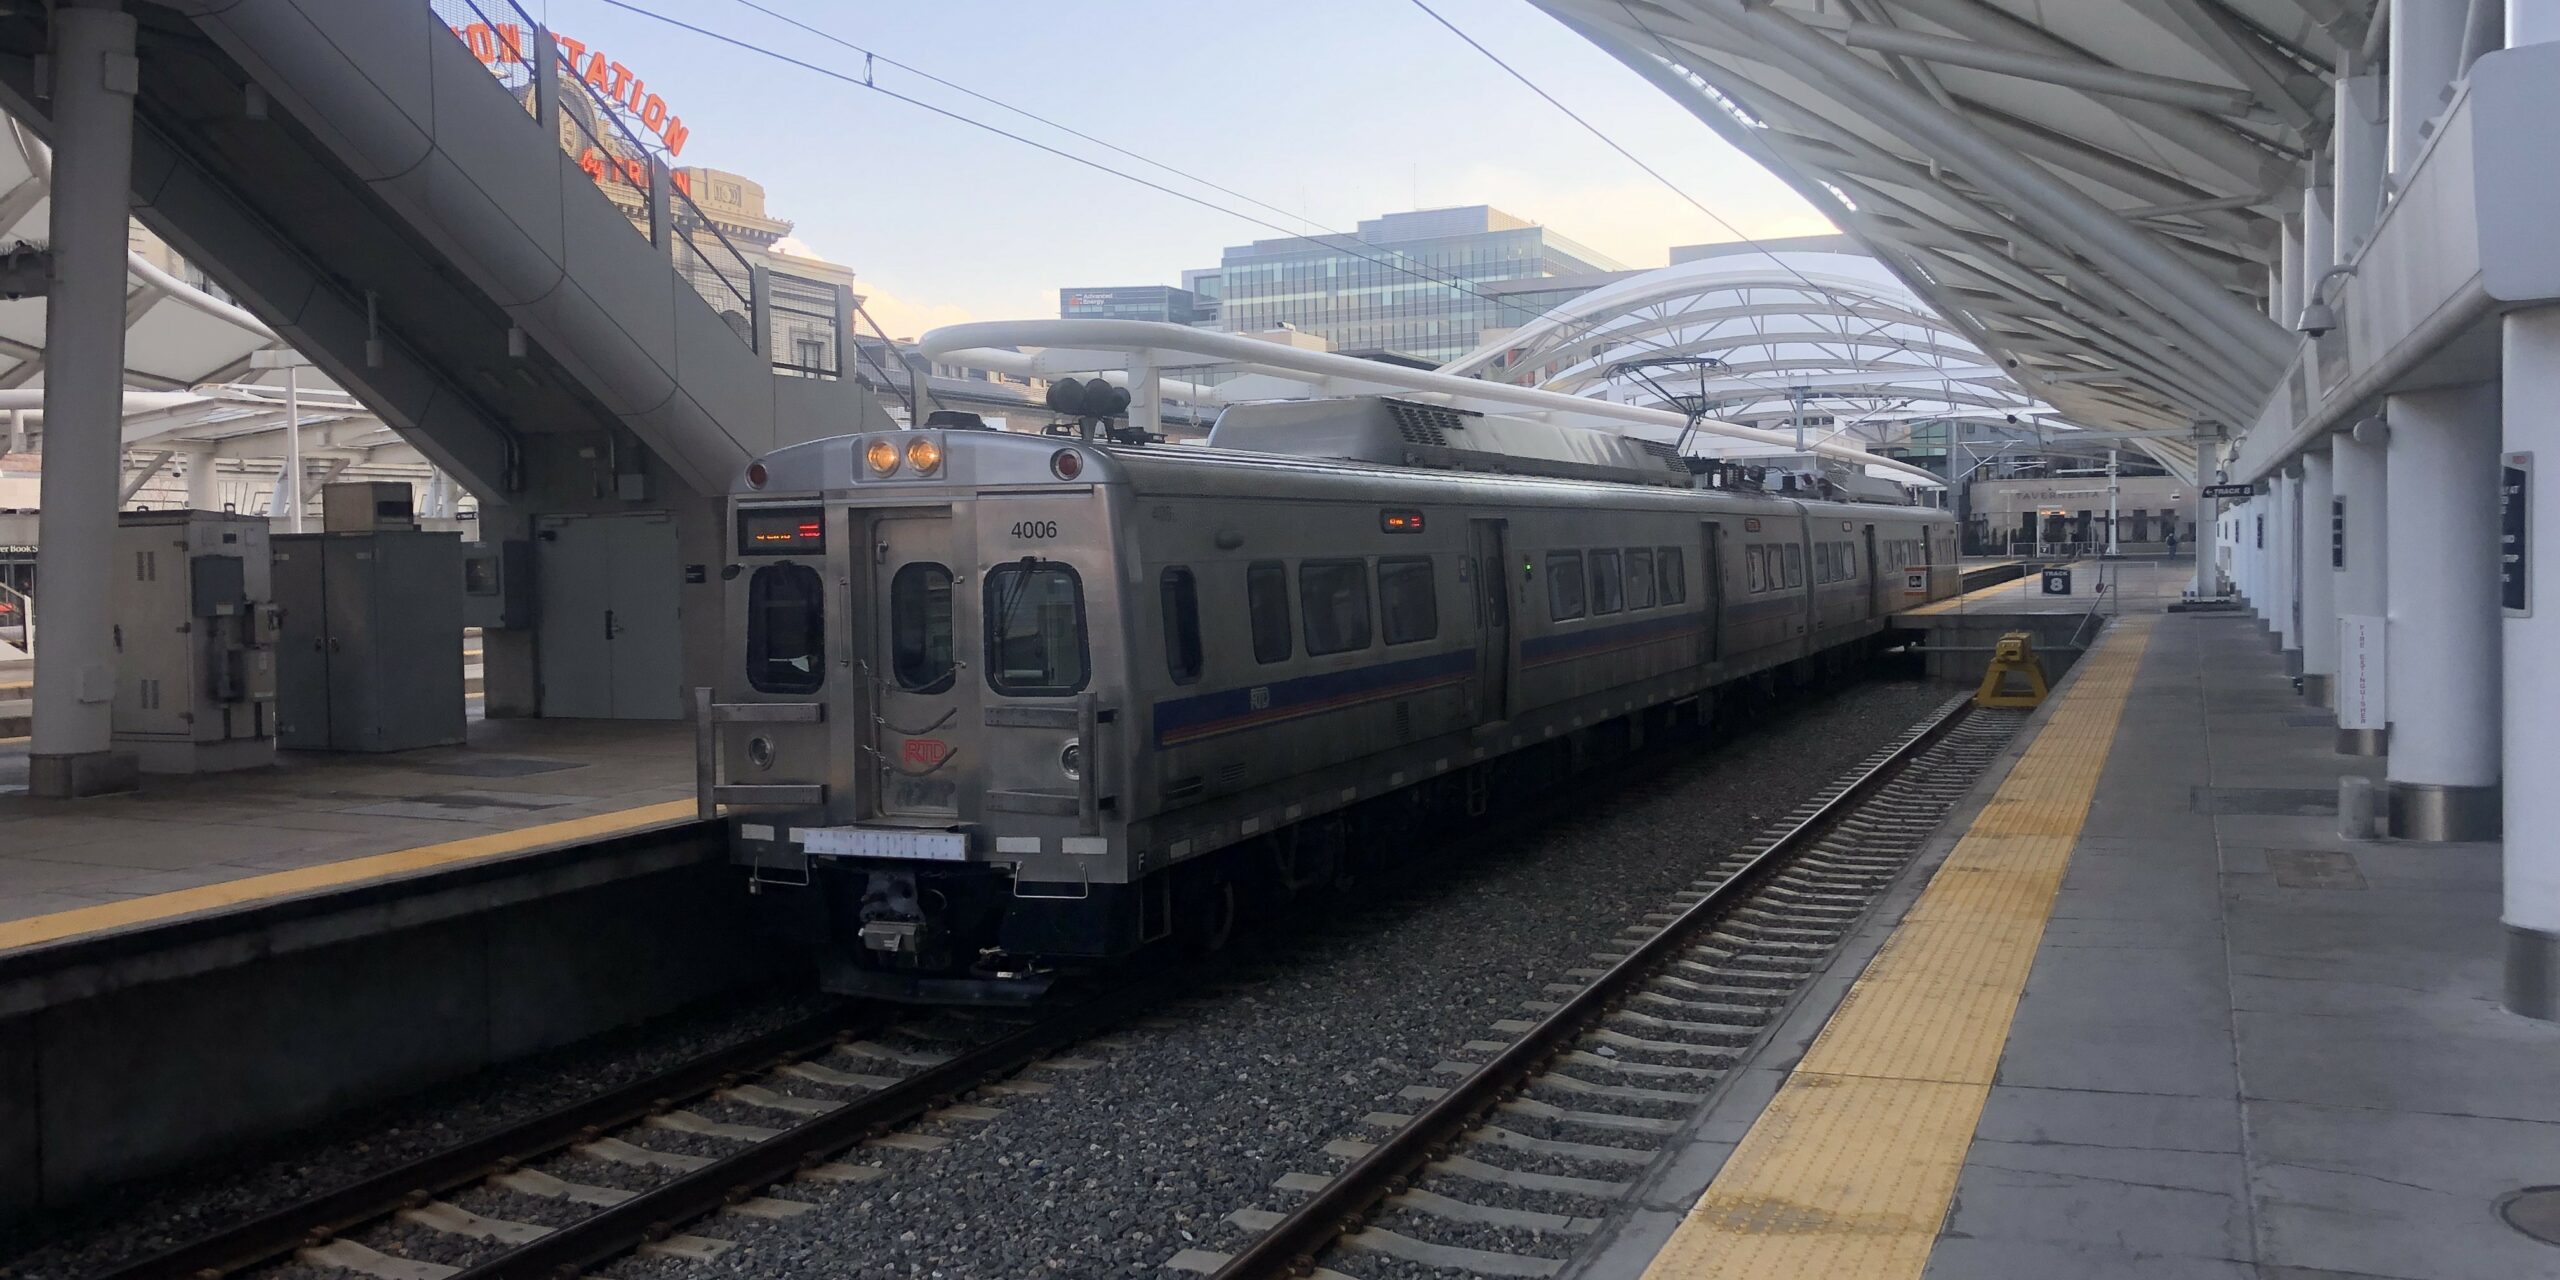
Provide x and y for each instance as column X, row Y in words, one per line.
column 1006, row 701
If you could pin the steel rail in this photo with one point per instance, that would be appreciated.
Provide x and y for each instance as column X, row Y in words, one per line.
column 1291, row 1246
column 271, row 1236
column 657, row 1213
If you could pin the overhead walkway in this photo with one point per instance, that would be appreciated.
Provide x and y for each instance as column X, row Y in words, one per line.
column 359, row 179
column 2145, row 1015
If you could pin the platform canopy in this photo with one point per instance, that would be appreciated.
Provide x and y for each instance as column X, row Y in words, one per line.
column 1769, row 337
column 2095, row 193
column 1137, row 352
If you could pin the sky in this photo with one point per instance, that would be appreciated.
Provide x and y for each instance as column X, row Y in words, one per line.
column 1332, row 110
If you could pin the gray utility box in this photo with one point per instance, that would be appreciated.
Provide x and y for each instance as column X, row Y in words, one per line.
column 195, row 641
column 371, row 654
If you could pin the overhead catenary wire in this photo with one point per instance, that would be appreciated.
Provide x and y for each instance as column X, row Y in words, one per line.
column 869, row 82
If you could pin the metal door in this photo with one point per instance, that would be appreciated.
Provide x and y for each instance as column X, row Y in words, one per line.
column 644, row 641
column 1877, row 602
column 353, row 612
column 1493, row 619
column 1711, row 588
column 302, row 645
column 572, row 617
column 919, row 626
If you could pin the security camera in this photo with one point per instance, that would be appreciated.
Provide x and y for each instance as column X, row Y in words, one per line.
column 2318, row 319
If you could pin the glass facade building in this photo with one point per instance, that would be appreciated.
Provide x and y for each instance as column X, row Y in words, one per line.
column 1407, row 283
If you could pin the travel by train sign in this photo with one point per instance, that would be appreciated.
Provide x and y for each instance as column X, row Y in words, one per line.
column 500, row 46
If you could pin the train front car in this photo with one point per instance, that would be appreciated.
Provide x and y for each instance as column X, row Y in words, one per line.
column 914, row 748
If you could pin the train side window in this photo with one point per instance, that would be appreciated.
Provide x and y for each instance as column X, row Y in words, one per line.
column 1848, row 560
column 1639, row 578
column 920, row 627
column 1334, row 597
column 1266, row 593
column 1035, row 629
column 1608, row 590
column 1674, row 575
column 1180, row 595
column 1564, row 585
column 1795, row 565
column 786, row 629
column 1822, row 562
column 1408, row 601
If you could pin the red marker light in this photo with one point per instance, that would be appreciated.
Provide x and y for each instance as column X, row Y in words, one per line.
column 1066, row 464
column 755, row 475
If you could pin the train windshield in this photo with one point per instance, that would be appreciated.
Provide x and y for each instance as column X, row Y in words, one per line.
column 786, row 629
column 1035, row 629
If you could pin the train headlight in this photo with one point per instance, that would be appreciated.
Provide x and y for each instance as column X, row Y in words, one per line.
column 882, row 457
column 1071, row 759
column 760, row 752
column 924, row 455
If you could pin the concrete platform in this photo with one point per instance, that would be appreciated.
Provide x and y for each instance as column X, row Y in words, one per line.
column 313, row 809
column 2232, row 1044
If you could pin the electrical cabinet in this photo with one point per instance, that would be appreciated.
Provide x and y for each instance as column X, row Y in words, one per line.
column 370, row 657
column 195, row 638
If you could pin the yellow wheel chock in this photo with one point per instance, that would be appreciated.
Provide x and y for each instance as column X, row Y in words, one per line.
column 2015, row 652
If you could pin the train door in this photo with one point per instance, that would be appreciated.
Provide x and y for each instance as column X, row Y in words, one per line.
column 1711, row 589
column 1877, row 606
column 916, row 741
column 1493, row 619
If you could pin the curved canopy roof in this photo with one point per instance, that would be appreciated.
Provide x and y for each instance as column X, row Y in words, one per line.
column 1761, row 338
column 2094, row 192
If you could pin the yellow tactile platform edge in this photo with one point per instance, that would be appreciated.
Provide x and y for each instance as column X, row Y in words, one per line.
column 1850, row 1170
column 35, row 930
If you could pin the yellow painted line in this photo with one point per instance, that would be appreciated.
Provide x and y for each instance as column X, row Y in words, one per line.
column 162, row 906
column 1851, row 1169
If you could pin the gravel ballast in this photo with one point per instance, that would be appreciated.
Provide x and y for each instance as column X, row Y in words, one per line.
column 1188, row 1117
column 1118, row 1169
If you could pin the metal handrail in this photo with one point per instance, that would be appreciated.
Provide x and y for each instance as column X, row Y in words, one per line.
column 521, row 66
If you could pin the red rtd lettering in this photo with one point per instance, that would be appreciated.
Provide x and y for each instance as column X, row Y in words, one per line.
column 616, row 85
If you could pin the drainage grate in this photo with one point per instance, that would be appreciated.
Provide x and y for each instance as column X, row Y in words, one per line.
column 2302, row 802
column 490, row 766
column 2534, row 1211
column 2314, row 869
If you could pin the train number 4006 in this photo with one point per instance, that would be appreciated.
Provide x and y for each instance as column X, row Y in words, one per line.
column 1035, row 528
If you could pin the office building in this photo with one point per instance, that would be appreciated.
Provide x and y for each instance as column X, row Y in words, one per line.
column 1413, row 284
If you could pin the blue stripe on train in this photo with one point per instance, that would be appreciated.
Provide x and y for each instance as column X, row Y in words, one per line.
column 1181, row 720
column 1575, row 643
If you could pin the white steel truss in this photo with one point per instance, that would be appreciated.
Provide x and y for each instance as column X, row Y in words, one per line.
column 2097, row 195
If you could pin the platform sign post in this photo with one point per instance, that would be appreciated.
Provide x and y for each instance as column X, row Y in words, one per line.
column 2515, row 535
column 2360, row 672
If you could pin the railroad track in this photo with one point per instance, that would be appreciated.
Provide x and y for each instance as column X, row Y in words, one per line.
column 654, row 1165
column 1521, row 1149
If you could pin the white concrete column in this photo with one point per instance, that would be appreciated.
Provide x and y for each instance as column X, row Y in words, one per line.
column 17, row 431
column 2318, row 592
column 2532, row 22
column 202, row 493
column 2531, row 638
column 2426, row 52
column 2319, row 242
column 2442, row 646
column 2359, row 147
column 2281, row 489
column 2356, row 456
column 2292, row 567
column 94, row 79
column 2291, row 283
